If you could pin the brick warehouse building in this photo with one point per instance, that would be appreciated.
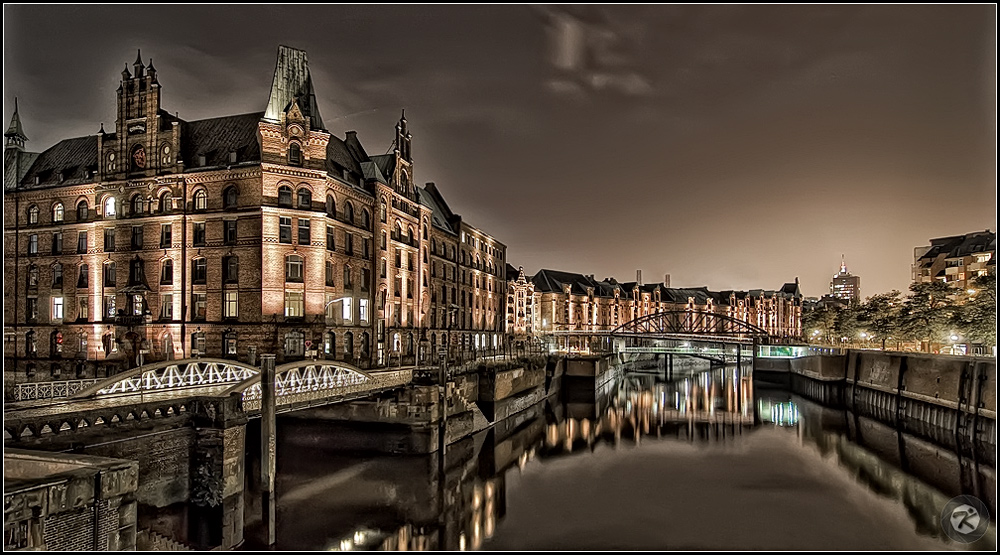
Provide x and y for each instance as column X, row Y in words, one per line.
column 232, row 237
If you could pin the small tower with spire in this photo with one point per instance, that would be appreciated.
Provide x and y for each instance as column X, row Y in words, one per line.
column 15, row 159
column 15, row 137
column 136, row 148
column 404, row 160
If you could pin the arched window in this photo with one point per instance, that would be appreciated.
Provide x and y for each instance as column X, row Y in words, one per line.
column 136, row 205
column 201, row 200
column 30, row 344
column 331, row 206
column 229, row 197
column 83, row 277
column 285, row 196
column 434, row 246
column 382, row 211
column 409, row 234
column 82, row 211
column 294, row 154
column 330, row 344
column 305, row 198
column 110, row 274
column 399, row 231
column 231, row 269
column 293, row 268
column 349, row 213
column 167, row 272
column 33, row 214
column 57, row 212
column 165, row 202
column 57, row 275
column 365, row 344
column 365, row 218
column 349, row 345
column 32, row 276
column 110, row 207
column 425, row 229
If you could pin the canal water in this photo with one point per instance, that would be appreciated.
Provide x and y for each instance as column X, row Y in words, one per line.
column 706, row 460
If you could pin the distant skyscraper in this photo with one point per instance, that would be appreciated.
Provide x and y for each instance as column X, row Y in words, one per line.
column 846, row 286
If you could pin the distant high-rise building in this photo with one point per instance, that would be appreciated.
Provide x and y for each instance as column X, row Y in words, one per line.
column 845, row 285
column 956, row 260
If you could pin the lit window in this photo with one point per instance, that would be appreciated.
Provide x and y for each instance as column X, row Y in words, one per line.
column 200, row 200
column 57, row 212
column 229, row 306
column 294, row 305
column 347, row 310
column 363, row 309
column 109, row 207
column 57, row 308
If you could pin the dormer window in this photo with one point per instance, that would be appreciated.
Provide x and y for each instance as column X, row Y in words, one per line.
column 294, row 154
column 232, row 157
column 201, row 160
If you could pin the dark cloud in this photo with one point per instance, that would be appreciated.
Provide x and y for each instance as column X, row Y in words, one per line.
column 731, row 146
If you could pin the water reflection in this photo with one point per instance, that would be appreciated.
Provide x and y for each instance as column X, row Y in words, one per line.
column 339, row 502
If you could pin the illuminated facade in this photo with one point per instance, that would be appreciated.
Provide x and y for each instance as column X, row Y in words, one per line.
column 565, row 301
column 520, row 303
column 956, row 260
column 845, row 285
column 232, row 237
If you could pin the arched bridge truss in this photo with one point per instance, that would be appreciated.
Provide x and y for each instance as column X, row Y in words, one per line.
column 674, row 323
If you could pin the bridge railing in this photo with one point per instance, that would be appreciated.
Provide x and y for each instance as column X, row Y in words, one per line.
column 50, row 390
column 320, row 391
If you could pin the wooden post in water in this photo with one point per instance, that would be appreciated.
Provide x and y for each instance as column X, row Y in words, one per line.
column 268, row 447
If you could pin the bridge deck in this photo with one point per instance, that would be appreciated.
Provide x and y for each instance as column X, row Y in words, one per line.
column 69, row 406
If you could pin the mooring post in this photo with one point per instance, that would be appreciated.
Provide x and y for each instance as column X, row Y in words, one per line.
column 267, row 443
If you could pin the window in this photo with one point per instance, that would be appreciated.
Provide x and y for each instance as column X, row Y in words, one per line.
column 382, row 269
column 83, row 277
column 349, row 213
column 109, row 306
column 33, row 215
column 57, row 212
column 109, row 207
column 167, row 306
column 109, row 240
column 33, row 243
column 138, row 303
column 57, row 275
column 136, row 237
column 382, row 210
column 83, row 313
column 229, row 344
column 294, row 154
column 330, row 344
column 109, row 274
column 165, row 202
column 399, row 258
column 198, row 343
column 198, row 306
column 409, row 235
column 363, row 310
column 305, row 198
column 230, row 197
column 331, row 206
column 366, row 277
column 348, row 284
column 199, row 234
column 304, row 236
column 57, row 308
column 284, row 230
column 331, row 269
column 81, row 242
column 166, row 236
column 383, row 241
column 229, row 232
column 331, row 238
column 167, row 272
column 229, row 305
column 231, row 269
column 294, row 304
column 57, row 242
column 365, row 218
column 199, row 270
column 137, row 205
column 285, row 196
column 82, row 211
column 293, row 268
column 201, row 200
column 30, row 344
column 349, row 243
column 347, row 310
column 295, row 345
column 425, row 230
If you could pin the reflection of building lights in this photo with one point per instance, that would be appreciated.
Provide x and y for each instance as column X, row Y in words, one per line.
column 461, row 542
column 346, row 545
column 359, row 537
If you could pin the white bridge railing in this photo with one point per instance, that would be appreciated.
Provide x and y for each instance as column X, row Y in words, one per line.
column 51, row 390
column 309, row 384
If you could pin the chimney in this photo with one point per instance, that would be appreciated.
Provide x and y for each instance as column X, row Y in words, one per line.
column 666, row 280
column 638, row 277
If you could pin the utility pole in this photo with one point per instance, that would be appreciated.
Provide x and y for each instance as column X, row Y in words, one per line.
column 267, row 445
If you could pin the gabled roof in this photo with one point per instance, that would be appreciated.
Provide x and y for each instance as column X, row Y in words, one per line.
column 386, row 164
column 439, row 209
column 961, row 245
column 215, row 138
column 339, row 157
column 552, row 281
column 71, row 157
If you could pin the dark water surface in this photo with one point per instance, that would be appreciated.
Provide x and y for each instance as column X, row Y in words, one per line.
column 710, row 461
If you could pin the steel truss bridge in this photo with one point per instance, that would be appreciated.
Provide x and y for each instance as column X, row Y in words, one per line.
column 708, row 335
column 170, row 389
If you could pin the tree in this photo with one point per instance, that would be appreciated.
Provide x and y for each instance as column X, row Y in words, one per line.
column 880, row 315
column 926, row 314
column 976, row 317
column 848, row 324
column 822, row 320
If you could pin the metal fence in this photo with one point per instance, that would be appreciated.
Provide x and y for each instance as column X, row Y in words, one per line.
column 50, row 390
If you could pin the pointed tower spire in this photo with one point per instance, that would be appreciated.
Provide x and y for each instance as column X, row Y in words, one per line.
column 292, row 81
column 138, row 64
column 843, row 265
column 15, row 133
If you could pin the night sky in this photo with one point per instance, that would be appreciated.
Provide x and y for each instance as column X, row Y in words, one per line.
column 729, row 146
